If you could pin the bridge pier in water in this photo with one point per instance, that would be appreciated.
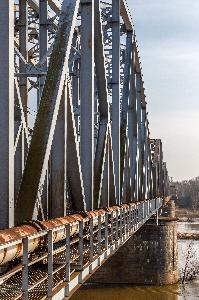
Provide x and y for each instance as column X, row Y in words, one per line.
column 149, row 257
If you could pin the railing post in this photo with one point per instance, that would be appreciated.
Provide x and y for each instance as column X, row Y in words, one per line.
column 81, row 244
column 131, row 219
column 127, row 221
column 111, row 229
column 25, row 269
column 50, row 263
column 133, row 216
column 106, row 234
column 67, row 261
column 116, row 229
column 124, row 215
column 157, row 221
column 121, row 216
column 99, row 237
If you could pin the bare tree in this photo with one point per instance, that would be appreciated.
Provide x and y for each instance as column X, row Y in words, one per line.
column 191, row 266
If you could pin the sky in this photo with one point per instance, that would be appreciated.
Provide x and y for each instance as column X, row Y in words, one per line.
column 168, row 37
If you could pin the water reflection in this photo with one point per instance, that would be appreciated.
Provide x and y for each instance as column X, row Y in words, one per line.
column 118, row 292
column 190, row 291
column 190, row 227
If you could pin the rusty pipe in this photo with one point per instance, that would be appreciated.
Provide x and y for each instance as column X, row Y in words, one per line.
column 15, row 250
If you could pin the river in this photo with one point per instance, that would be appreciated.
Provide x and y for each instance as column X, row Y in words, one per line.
column 189, row 291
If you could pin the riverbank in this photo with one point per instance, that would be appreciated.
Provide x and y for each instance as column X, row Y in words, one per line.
column 184, row 214
column 188, row 236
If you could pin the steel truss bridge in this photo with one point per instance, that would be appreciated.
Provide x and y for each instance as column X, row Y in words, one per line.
column 79, row 172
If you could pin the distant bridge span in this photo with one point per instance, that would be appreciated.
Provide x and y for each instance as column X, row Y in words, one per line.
column 74, row 138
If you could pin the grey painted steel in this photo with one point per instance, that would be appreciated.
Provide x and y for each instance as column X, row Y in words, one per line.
column 102, row 99
column 139, row 112
column 58, row 162
column 52, row 52
column 104, row 191
column 74, row 175
column 132, row 129
column 115, row 83
column 7, row 114
column 23, row 41
column 43, row 41
column 125, row 102
column 39, row 151
column 143, row 149
column 87, row 100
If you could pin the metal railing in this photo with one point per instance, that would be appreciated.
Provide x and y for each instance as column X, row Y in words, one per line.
column 58, row 267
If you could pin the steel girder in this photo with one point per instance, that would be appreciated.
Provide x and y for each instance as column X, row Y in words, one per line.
column 74, row 132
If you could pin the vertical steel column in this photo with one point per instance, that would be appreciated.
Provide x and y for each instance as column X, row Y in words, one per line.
column 87, row 99
column 143, row 149
column 139, row 111
column 132, row 129
column 116, row 94
column 6, row 113
column 104, row 197
column 161, row 170
column 58, row 162
column 99, row 238
column 111, row 187
column 43, row 40
column 23, row 44
column 125, row 102
column 75, row 81
column 126, row 179
column 150, row 171
column 43, row 47
column 101, row 85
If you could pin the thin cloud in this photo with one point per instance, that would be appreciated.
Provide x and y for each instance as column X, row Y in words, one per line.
column 167, row 32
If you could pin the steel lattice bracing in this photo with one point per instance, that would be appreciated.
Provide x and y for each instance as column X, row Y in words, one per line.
column 74, row 138
column 74, row 133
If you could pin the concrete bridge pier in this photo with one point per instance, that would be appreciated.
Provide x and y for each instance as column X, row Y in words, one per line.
column 149, row 257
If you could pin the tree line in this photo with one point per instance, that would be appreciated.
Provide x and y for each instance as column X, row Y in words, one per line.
column 187, row 193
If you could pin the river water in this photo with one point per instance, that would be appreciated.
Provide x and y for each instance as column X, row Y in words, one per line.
column 188, row 291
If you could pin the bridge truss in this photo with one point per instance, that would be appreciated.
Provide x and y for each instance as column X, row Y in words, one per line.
column 74, row 130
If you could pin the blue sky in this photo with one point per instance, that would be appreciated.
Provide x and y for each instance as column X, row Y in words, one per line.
column 168, row 38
